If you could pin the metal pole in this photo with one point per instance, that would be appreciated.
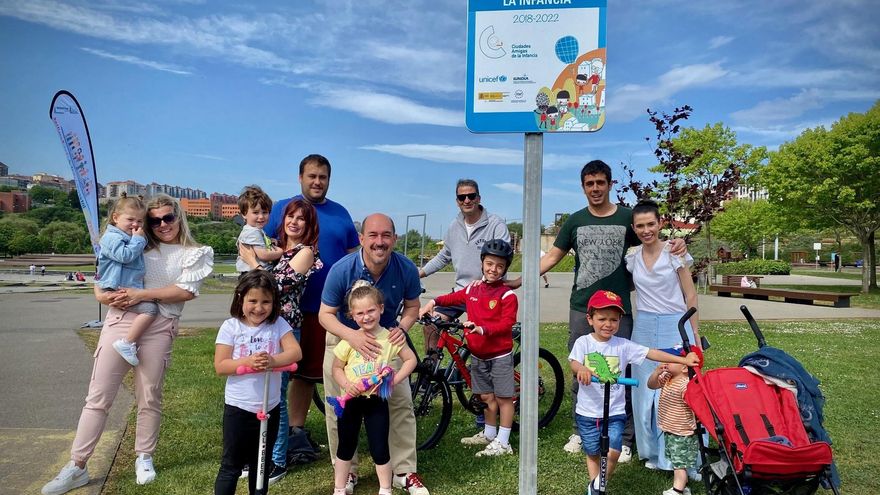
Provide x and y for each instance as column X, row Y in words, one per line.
column 422, row 252
column 531, row 240
column 776, row 248
column 406, row 238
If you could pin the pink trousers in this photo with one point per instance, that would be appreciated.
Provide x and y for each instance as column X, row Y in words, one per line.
column 154, row 354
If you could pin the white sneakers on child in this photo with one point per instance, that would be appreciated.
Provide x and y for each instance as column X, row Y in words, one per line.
column 626, row 455
column 143, row 469
column 69, row 478
column 350, row 483
column 127, row 350
column 495, row 449
column 573, row 446
column 478, row 439
column 671, row 491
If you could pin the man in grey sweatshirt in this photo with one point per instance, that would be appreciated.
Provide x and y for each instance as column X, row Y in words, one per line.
column 461, row 246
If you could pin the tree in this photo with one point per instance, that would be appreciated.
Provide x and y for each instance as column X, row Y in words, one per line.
column 700, row 169
column 833, row 176
column 65, row 237
column 745, row 224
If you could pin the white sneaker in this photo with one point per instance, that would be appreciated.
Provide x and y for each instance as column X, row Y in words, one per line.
column 478, row 439
column 650, row 465
column 495, row 449
column 127, row 350
column 69, row 478
column 411, row 483
column 350, row 483
column 573, row 446
column 245, row 472
column 671, row 491
column 143, row 469
column 626, row 455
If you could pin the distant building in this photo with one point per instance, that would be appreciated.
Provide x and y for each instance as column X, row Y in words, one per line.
column 196, row 207
column 114, row 190
column 223, row 206
column 48, row 180
column 4, row 170
column 15, row 202
column 20, row 182
column 750, row 193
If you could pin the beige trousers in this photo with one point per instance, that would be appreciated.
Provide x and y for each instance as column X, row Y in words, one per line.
column 109, row 369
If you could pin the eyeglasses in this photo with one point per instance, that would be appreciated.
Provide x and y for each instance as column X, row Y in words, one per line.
column 168, row 219
column 471, row 196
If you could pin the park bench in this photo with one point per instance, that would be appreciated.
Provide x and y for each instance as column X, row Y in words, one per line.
column 839, row 299
column 735, row 279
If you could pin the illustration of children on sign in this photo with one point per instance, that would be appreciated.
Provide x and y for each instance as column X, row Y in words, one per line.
column 597, row 73
column 553, row 114
column 542, row 102
column 562, row 98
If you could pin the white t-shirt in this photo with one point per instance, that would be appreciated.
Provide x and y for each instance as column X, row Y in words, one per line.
column 246, row 391
column 658, row 290
column 618, row 353
column 252, row 236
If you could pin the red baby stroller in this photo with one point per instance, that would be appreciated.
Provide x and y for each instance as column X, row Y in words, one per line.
column 763, row 444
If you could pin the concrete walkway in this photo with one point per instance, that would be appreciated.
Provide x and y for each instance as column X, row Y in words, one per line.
column 46, row 366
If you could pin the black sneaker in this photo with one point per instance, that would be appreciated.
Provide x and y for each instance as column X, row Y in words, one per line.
column 276, row 473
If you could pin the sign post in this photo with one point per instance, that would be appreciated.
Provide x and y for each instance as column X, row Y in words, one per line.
column 534, row 66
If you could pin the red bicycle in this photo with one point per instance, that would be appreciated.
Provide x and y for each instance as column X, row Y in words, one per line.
column 435, row 377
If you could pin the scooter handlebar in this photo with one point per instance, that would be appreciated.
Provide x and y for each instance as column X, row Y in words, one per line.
column 246, row 370
column 628, row 382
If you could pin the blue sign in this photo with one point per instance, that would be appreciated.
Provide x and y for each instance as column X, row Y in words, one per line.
column 536, row 65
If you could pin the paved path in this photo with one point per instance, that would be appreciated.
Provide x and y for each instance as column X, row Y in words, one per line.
column 46, row 366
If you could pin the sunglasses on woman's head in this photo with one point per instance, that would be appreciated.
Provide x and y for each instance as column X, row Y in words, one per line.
column 470, row 196
column 157, row 221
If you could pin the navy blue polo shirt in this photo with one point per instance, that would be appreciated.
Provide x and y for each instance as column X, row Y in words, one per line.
column 399, row 282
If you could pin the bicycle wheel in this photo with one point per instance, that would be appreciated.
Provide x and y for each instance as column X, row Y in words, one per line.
column 432, row 405
column 551, row 386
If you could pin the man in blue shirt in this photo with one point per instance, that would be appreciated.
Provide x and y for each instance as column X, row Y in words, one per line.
column 398, row 280
column 336, row 238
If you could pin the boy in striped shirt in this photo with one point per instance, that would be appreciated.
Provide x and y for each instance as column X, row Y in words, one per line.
column 677, row 421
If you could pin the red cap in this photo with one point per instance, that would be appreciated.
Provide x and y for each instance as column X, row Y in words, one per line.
column 605, row 299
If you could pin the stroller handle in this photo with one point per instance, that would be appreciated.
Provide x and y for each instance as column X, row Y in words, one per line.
column 685, row 342
column 245, row 370
column 628, row 382
column 752, row 323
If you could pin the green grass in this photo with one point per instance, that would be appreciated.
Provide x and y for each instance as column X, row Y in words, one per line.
column 826, row 274
column 190, row 445
column 870, row 300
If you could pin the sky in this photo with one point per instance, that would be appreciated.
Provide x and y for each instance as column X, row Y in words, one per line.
column 220, row 95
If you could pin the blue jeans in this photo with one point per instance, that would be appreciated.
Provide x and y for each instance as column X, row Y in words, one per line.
column 656, row 331
column 590, row 430
column 279, row 451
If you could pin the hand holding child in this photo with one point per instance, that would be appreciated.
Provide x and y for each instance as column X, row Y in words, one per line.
column 692, row 360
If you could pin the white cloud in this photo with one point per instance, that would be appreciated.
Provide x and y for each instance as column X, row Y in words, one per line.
column 387, row 108
column 203, row 156
column 783, row 109
column 719, row 41
column 630, row 101
column 131, row 59
column 446, row 153
column 546, row 191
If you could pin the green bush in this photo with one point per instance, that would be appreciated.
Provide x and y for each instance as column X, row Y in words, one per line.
column 754, row 267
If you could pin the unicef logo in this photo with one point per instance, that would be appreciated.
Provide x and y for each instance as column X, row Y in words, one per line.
column 493, row 79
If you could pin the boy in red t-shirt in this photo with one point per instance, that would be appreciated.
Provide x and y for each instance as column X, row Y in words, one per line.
column 491, row 308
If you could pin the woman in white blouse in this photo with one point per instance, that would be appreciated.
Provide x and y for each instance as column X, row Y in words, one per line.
column 175, row 268
column 664, row 292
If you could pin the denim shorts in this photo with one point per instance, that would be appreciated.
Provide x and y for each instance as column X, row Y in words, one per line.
column 590, row 429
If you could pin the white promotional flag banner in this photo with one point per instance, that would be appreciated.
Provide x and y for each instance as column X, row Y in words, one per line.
column 74, row 133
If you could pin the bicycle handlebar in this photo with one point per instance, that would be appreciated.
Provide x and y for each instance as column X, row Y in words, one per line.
column 627, row 382
column 442, row 324
column 246, row 370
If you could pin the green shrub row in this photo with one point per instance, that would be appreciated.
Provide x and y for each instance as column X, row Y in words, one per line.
column 754, row 267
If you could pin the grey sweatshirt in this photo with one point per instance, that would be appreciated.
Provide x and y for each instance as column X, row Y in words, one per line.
column 463, row 251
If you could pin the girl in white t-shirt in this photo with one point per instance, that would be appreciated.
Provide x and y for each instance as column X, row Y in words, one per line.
column 664, row 292
column 255, row 337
